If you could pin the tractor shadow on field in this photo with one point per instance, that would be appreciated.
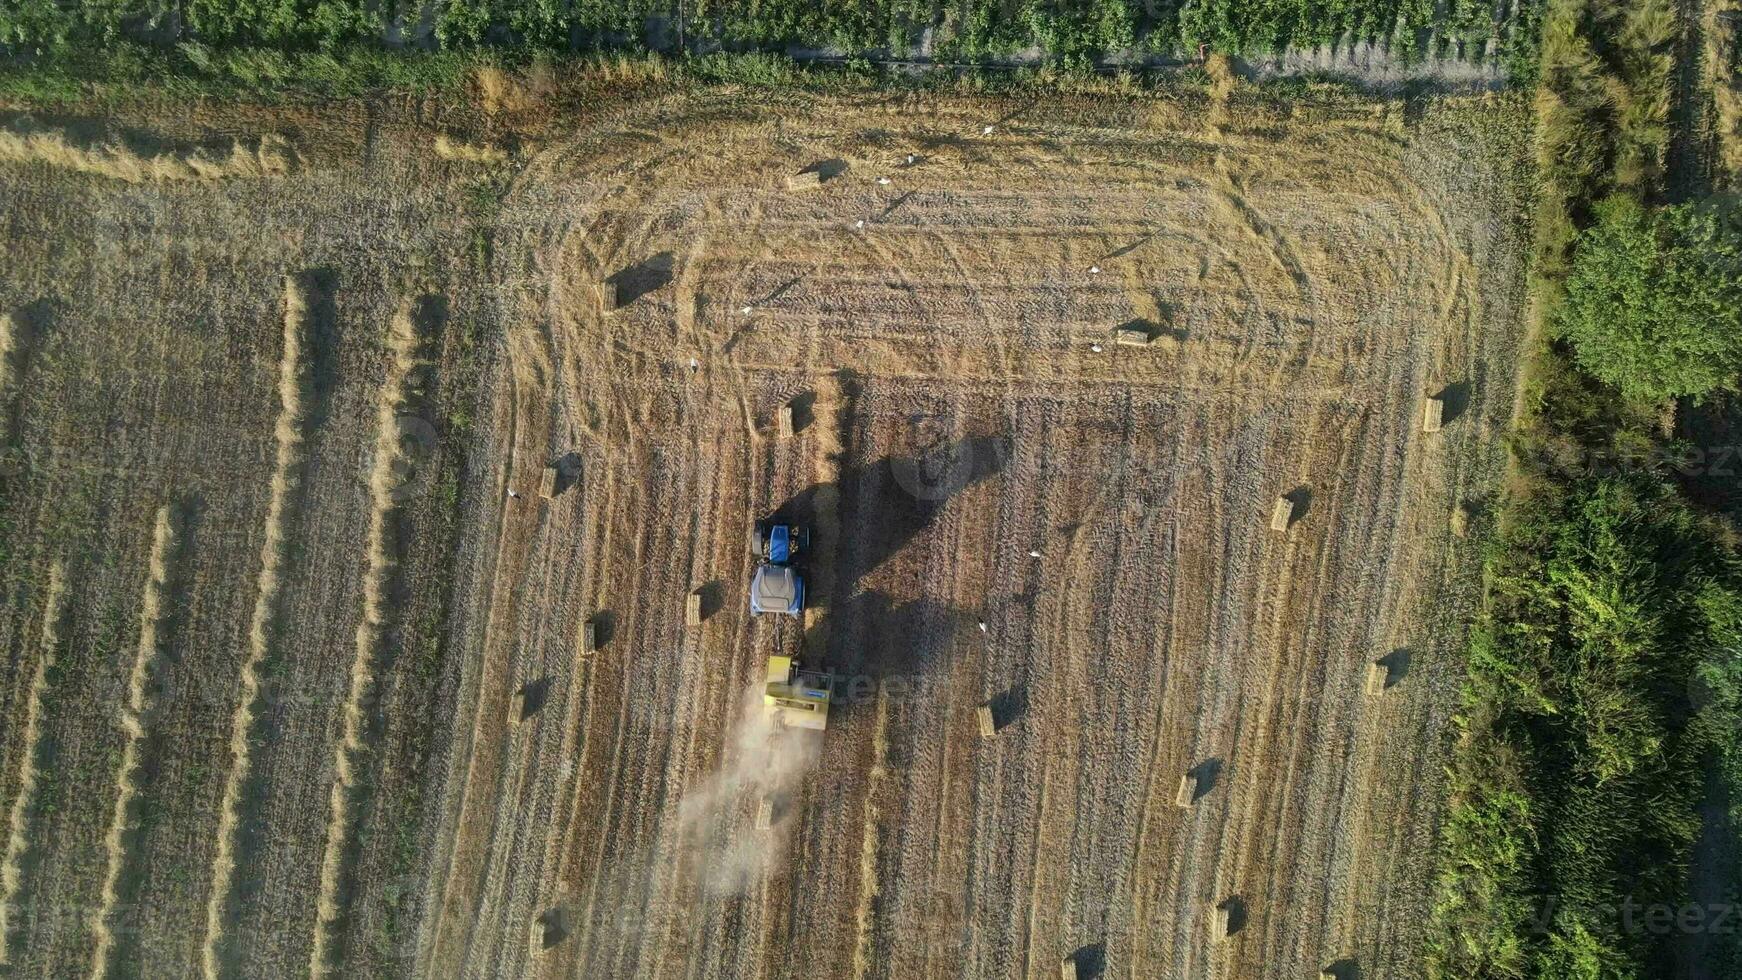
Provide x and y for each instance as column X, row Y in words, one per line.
column 643, row 277
column 1347, row 969
column 898, row 647
column 891, row 501
column 899, row 653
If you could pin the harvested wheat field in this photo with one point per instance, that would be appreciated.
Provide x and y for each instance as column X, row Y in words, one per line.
column 295, row 685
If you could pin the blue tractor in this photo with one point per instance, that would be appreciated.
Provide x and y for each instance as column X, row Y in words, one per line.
column 777, row 587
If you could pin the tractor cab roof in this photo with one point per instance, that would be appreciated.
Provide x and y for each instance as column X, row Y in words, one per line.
column 776, row 588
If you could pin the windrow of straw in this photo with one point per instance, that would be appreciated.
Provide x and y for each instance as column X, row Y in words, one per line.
column 135, row 721
column 403, row 345
column 17, row 836
column 268, row 156
column 487, row 154
column 286, row 477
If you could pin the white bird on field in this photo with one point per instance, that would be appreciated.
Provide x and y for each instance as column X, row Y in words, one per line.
column 1095, row 269
column 883, row 180
column 746, row 310
column 986, row 132
column 860, row 223
column 1095, row 347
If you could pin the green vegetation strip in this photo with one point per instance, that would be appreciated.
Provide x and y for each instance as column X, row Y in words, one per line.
column 1076, row 31
column 1601, row 728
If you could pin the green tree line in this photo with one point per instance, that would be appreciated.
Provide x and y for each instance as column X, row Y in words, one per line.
column 1079, row 30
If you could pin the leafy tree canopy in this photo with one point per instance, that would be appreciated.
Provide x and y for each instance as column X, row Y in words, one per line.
column 1654, row 301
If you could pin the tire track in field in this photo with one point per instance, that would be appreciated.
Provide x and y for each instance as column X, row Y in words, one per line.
column 593, row 680
column 880, row 886
column 929, row 666
column 467, row 864
column 621, row 908
column 1010, row 778
column 137, row 718
column 293, row 385
column 705, row 702
column 1119, row 777
column 717, row 829
column 594, row 523
column 519, row 889
column 1268, row 790
column 574, row 403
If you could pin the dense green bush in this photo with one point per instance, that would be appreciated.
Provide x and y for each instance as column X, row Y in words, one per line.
column 1654, row 302
column 1603, row 676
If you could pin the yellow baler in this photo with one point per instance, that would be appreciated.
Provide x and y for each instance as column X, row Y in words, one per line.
column 797, row 698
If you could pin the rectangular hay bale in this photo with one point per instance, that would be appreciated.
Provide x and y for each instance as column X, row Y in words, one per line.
column 1221, row 923
column 1281, row 514
column 692, row 614
column 589, row 637
column 1378, row 677
column 605, row 291
column 517, row 707
column 783, row 421
column 1459, row 522
column 764, row 814
column 1130, row 337
column 1068, row 969
column 547, row 482
column 988, row 728
column 1433, row 415
column 805, row 181
column 1187, row 794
